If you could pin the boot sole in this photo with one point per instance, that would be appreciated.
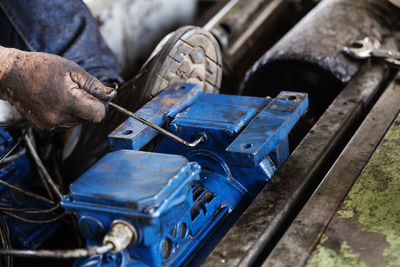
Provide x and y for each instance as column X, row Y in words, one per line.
column 191, row 55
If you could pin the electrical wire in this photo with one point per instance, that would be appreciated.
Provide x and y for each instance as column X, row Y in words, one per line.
column 29, row 210
column 16, row 188
column 41, row 167
column 20, row 139
column 41, row 175
column 33, row 221
column 5, row 241
column 46, row 185
column 89, row 251
column 5, row 159
column 15, row 156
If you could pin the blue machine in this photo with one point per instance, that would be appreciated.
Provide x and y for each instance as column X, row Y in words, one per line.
column 176, row 196
column 17, row 172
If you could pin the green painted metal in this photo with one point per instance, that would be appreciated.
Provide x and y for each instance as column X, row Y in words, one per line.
column 366, row 229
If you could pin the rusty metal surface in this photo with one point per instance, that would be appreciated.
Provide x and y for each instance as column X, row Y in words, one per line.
column 258, row 226
column 232, row 20
column 309, row 57
column 236, row 25
column 365, row 230
column 306, row 230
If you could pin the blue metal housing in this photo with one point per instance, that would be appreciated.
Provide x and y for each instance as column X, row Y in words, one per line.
column 173, row 203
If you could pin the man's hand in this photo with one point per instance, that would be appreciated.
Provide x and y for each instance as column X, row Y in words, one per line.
column 51, row 91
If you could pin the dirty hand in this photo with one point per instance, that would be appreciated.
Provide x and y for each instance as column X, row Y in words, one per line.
column 51, row 91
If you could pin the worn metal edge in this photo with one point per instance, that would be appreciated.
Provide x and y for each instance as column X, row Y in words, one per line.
column 246, row 240
column 365, row 230
column 300, row 239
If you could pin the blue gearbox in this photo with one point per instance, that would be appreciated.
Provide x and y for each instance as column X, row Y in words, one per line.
column 177, row 197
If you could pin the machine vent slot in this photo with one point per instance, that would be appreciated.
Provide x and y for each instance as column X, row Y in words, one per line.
column 200, row 197
column 198, row 189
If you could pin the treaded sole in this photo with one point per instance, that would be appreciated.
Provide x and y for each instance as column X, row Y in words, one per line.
column 193, row 56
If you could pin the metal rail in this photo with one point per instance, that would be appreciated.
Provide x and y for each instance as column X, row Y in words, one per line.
column 304, row 233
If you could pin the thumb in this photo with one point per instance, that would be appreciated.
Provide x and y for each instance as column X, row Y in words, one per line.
column 91, row 85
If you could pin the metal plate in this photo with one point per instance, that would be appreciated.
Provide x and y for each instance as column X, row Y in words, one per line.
column 131, row 178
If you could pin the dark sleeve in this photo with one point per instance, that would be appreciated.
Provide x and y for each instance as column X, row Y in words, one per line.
column 62, row 27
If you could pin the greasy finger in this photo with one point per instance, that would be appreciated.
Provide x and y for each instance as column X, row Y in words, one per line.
column 86, row 106
column 91, row 85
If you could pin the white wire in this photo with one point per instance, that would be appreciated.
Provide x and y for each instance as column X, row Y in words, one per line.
column 60, row 254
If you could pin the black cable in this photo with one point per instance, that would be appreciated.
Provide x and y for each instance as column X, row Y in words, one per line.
column 33, row 221
column 16, row 188
column 29, row 210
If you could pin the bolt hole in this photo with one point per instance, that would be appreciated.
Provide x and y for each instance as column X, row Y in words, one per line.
column 246, row 146
column 127, row 132
column 292, row 97
column 182, row 230
column 166, row 248
column 357, row 45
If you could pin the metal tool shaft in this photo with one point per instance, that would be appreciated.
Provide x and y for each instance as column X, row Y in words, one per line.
column 156, row 127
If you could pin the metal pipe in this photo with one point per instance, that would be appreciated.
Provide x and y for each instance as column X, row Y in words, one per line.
column 214, row 21
column 313, row 48
column 240, row 25
column 158, row 128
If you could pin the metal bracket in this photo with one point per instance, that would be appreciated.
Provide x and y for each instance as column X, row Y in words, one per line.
column 267, row 129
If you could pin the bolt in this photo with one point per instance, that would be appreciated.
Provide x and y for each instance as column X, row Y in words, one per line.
column 229, row 132
column 174, row 128
column 273, row 107
column 150, row 211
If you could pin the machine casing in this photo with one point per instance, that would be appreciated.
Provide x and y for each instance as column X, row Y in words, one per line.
column 176, row 196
